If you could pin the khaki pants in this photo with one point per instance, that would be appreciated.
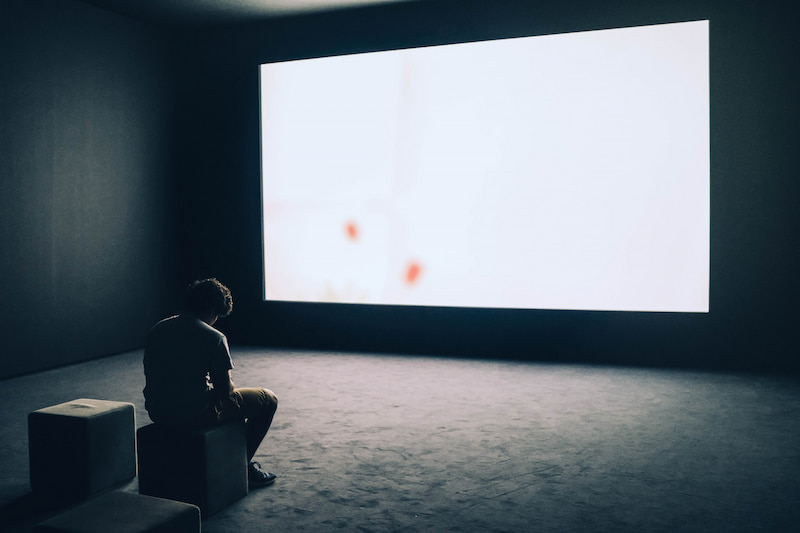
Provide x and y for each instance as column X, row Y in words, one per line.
column 256, row 406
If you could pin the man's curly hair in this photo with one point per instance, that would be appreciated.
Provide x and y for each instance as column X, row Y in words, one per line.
column 209, row 296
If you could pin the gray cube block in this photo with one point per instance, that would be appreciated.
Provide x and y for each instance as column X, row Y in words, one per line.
column 206, row 467
column 125, row 512
column 81, row 448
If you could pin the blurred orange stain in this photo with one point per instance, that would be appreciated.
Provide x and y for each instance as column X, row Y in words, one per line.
column 352, row 230
column 412, row 272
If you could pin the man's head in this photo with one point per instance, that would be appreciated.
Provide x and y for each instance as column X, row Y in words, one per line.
column 208, row 299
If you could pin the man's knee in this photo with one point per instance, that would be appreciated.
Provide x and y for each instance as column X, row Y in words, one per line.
column 270, row 401
column 256, row 402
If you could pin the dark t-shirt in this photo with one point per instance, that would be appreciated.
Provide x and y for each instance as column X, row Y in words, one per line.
column 181, row 351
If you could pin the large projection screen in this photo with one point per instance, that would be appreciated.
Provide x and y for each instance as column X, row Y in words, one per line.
column 564, row 171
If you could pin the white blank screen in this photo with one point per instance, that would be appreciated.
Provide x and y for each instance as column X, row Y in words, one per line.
column 555, row 172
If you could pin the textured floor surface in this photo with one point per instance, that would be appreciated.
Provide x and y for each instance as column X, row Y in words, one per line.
column 389, row 443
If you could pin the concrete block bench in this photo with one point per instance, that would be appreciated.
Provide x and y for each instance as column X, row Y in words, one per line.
column 81, row 448
column 206, row 467
column 125, row 512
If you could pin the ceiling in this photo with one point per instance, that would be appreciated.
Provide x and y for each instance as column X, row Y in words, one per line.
column 205, row 12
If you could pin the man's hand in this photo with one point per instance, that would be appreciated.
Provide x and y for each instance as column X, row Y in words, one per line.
column 223, row 385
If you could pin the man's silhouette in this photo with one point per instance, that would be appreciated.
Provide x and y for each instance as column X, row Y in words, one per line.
column 187, row 367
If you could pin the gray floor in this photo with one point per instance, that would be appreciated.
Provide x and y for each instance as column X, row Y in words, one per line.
column 388, row 443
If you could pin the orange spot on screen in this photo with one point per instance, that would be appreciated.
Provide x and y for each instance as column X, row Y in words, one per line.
column 412, row 272
column 352, row 231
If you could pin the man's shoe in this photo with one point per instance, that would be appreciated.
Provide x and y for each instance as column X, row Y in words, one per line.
column 257, row 477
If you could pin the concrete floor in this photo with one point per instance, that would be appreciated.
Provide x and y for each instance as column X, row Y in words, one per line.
column 377, row 443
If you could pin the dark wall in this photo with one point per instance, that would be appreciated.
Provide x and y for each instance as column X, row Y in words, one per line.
column 754, row 189
column 86, row 183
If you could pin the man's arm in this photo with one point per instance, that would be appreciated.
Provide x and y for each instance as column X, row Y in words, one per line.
column 222, row 383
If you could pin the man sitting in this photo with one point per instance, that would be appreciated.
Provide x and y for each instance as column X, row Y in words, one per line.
column 187, row 368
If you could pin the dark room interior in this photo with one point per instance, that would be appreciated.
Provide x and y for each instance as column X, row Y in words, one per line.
column 130, row 166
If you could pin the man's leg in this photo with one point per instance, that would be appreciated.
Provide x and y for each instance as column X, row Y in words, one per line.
column 257, row 407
